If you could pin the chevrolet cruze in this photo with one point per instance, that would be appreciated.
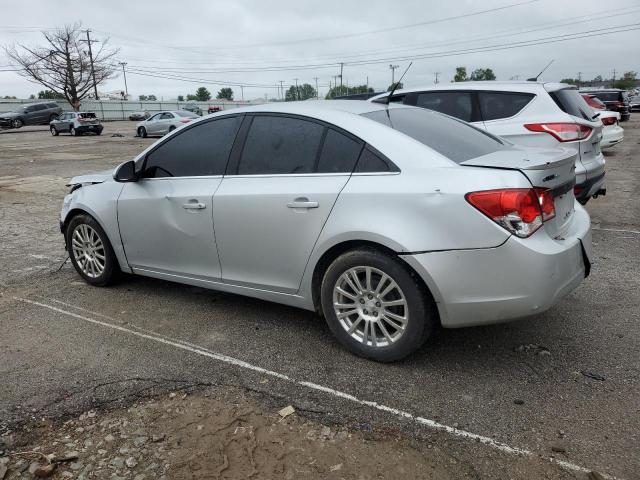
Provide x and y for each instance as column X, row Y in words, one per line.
column 388, row 220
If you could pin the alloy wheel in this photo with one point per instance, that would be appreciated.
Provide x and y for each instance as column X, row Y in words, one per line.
column 370, row 306
column 88, row 250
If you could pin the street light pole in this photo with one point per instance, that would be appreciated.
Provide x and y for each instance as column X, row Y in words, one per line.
column 393, row 71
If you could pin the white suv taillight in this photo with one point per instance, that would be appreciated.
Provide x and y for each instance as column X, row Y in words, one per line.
column 520, row 211
column 563, row 132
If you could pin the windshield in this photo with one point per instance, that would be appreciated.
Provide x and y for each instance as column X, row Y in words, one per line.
column 182, row 113
column 448, row 136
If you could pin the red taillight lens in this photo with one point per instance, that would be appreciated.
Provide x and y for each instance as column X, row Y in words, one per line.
column 577, row 190
column 185, row 120
column 563, row 132
column 521, row 211
column 609, row 121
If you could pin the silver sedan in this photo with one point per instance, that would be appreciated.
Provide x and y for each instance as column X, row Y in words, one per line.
column 164, row 122
column 387, row 220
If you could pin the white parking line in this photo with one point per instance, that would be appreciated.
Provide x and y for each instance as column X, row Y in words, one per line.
column 432, row 424
column 617, row 230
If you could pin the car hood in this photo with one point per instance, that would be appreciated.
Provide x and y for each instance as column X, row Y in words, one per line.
column 92, row 178
column 9, row 115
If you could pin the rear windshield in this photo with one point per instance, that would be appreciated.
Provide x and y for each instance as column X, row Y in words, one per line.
column 608, row 96
column 448, row 136
column 183, row 113
column 571, row 102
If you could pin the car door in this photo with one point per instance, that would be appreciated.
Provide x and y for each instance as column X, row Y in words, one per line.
column 165, row 122
column 30, row 115
column 275, row 198
column 165, row 218
column 153, row 124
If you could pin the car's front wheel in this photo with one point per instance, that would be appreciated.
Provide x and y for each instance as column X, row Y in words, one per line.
column 17, row 123
column 376, row 306
column 54, row 131
column 90, row 251
column 142, row 132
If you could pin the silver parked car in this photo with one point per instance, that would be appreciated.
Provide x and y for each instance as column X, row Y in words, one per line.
column 526, row 113
column 164, row 122
column 387, row 220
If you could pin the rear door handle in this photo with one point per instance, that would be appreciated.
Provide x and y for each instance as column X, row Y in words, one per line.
column 194, row 206
column 300, row 203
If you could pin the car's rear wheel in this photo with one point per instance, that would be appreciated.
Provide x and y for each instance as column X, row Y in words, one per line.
column 73, row 131
column 142, row 132
column 90, row 251
column 376, row 306
column 54, row 131
column 17, row 123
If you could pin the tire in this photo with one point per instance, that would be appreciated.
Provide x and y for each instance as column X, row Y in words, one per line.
column 410, row 299
column 73, row 131
column 84, row 226
column 142, row 132
column 17, row 123
column 54, row 131
column 171, row 128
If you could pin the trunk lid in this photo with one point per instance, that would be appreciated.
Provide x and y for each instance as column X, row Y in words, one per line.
column 549, row 168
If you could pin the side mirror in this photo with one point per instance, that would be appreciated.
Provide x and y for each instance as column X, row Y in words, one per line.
column 126, row 172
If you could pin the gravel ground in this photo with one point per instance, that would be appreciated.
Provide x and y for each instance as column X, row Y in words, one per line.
column 563, row 385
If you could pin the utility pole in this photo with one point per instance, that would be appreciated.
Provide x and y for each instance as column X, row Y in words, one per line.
column 317, row 94
column 297, row 91
column 242, row 92
column 613, row 84
column 393, row 71
column 579, row 79
column 93, row 72
column 124, row 73
column 281, row 89
column 436, row 74
column 341, row 66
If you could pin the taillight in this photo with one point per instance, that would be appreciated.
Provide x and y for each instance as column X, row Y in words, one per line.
column 577, row 190
column 520, row 211
column 609, row 121
column 185, row 120
column 563, row 132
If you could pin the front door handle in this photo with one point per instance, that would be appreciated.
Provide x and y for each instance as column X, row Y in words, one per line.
column 194, row 206
column 302, row 203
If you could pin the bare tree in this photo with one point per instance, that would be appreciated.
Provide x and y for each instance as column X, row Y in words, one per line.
column 63, row 64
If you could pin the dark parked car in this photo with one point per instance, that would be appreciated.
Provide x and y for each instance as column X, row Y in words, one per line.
column 30, row 114
column 139, row 116
column 213, row 109
column 634, row 104
column 615, row 99
column 193, row 108
column 76, row 123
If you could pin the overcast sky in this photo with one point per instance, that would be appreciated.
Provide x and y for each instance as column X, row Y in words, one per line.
column 203, row 41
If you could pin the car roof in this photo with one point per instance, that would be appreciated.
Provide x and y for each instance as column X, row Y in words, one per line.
column 493, row 85
column 310, row 107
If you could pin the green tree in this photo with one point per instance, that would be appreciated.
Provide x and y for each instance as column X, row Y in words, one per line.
column 598, row 78
column 225, row 94
column 482, row 74
column 202, row 94
column 302, row 92
column 399, row 84
column 181, row 98
column 461, row 74
column 570, row 81
column 191, row 97
column 627, row 81
column 152, row 98
column 143, row 98
column 32, row 97
column 49, row 95
column 339, row 90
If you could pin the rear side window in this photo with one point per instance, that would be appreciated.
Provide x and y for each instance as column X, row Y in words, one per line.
column 456, row 104
column 371, row 162
column 452, row 138
column 339, row 153
column 197, row 151
column 496, row 105
column 280, row 145
column 571, row 102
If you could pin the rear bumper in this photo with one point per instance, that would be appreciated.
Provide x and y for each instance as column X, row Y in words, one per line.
column 611, row 136
column 520, row 278
column 589, row 187
column 89, row 128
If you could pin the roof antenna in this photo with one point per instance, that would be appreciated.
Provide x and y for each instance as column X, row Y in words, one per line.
column 395, row 85
column 535, row 79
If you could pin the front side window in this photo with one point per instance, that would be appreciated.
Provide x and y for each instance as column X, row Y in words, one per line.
column 280, row 145
column 201, row 150
column 497, row 105
column 166, row 116
column 452, row 138
column 456, row 104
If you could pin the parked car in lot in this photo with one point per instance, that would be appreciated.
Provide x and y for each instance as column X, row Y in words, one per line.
column 594, row 102
column 139, row 116
column 76, row 123
column 612, row 132
column 164, row 122
column 213, row 109
column 615, row 99
column 634, row 104
column 193, row 108
column 388, row 220
column 30, row 114
column 525, row 113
